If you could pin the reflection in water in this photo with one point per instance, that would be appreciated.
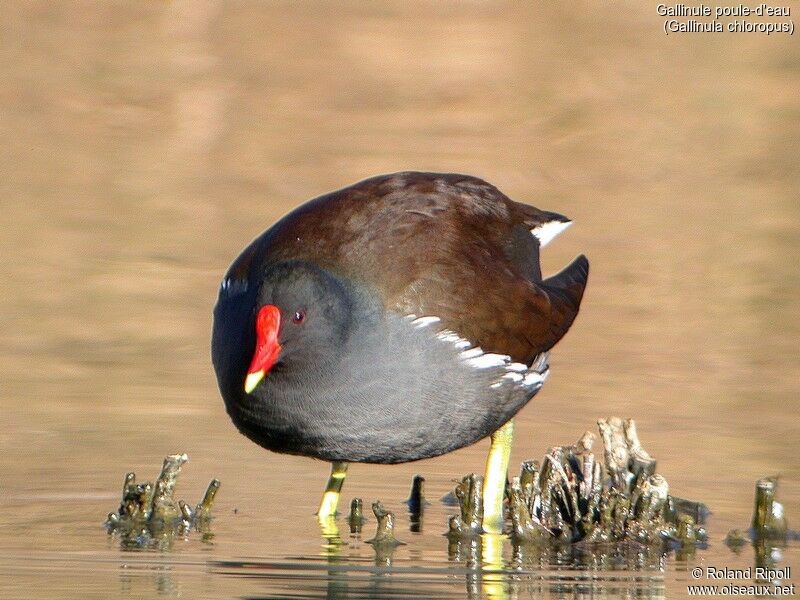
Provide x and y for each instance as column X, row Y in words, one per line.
column 767, row 553
column 479, row 566
column 485, row 566
column 135, row 583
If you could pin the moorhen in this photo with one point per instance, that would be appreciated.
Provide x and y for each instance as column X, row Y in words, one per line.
column 397, row 319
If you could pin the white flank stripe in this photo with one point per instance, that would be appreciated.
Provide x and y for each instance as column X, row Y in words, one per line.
column 533, row 378
column 515, row 377
column 471, row 353
column 448, row 336
column 547, row 231
column 424, row 321
column 517, row 373
column 485, row 361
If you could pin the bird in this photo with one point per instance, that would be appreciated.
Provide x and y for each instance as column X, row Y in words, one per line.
column 397, row 319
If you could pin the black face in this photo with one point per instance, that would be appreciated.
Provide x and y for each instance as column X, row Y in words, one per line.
column 316, row 313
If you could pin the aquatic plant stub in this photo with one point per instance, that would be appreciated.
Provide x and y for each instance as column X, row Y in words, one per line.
column 769, row 519
column 356, row 517
column 416, row 500
column 149, row 512
column 572, row 497
column 469, row 523
column 384, row 535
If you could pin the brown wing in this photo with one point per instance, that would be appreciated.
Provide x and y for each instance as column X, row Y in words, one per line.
column 451, row 246
column 484, row 299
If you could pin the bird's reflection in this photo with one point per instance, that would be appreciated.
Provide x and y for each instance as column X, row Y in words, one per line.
column 490, row 566
column 478, row 566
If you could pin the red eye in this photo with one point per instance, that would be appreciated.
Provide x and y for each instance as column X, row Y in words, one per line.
column 298, row 317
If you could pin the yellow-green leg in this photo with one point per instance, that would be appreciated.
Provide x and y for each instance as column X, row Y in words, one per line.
column 327, row 508
column 494, row 479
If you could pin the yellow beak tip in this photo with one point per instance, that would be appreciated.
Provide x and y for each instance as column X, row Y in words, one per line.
column 252, row 380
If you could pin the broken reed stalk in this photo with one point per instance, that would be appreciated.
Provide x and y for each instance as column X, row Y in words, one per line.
column 769, row 521
column 571, row 497
column 469, row 492
column 148, row 510
column 416, row 500
column 356, row 518
column 203, row 509
column 384, row 535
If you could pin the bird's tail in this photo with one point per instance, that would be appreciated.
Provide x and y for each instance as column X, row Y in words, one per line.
column 565, row 290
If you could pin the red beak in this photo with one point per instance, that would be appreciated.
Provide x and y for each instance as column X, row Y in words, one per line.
column 268, row 322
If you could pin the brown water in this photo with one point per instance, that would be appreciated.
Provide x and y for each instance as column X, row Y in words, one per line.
column 143, row 144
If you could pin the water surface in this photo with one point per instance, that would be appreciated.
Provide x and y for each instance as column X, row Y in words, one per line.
column 144, row 145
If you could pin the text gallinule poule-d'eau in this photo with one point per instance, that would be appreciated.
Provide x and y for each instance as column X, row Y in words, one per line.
column 400, row 318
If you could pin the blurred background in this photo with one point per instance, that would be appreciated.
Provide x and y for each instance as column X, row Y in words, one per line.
column 144, row 144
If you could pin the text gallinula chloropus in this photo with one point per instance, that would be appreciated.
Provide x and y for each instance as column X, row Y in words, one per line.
column 397, row 319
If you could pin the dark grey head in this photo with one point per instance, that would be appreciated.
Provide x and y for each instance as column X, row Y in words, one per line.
column 279, row 335
column 303, row 318
column 316, row 311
